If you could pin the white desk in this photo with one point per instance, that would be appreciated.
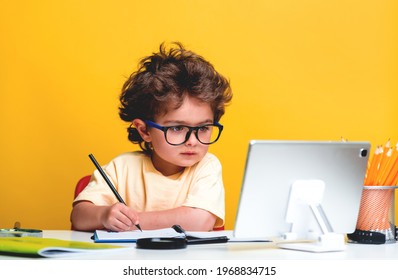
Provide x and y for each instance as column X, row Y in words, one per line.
column 227, row 251
column 363, row 261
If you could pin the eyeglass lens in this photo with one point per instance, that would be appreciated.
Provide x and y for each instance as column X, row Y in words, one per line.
column 205, row 134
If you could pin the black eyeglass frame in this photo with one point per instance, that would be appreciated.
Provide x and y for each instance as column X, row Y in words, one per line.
column 190, row 129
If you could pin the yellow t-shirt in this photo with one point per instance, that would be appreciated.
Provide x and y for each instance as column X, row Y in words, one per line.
column 143, row 188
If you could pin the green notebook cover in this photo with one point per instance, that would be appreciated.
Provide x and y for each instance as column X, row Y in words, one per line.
column 49, row 247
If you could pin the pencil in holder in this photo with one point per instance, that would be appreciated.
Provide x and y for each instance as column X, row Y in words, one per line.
column 376, row 218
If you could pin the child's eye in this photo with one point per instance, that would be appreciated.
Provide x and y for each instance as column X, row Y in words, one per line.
column 177, row 128
column 204, row 128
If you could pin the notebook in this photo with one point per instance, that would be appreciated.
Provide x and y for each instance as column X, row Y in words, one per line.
column 29, row 246
column 104, row 236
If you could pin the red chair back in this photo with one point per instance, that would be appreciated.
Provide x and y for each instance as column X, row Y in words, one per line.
column 81, row 184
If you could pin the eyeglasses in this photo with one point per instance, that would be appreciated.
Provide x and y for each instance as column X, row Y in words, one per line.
column 179, row 134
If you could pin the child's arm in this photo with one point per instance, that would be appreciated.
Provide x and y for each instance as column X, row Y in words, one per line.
column 86, row 216
column 189, row 218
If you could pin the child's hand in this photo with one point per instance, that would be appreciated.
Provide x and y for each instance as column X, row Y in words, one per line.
column 119, row 217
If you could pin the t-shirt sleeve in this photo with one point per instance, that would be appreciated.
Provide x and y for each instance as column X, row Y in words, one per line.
column 207, row 191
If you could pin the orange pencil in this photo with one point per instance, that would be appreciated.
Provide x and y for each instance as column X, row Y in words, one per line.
column 371, row 174
column 383, row 161
column 384, row 168
column 369, row 166
column 391, row 169
column 388, row 144
column 394, row 182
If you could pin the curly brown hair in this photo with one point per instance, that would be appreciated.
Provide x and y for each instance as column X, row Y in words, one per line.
column 163, row 80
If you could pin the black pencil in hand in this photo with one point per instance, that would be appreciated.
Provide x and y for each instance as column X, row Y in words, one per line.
column 101, row 171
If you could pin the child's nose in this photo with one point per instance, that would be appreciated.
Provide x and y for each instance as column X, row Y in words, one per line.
column 192, row 140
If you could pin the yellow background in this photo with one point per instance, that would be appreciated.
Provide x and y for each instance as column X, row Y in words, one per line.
column 309, row 69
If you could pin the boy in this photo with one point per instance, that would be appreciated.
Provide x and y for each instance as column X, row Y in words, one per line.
column 173, row 104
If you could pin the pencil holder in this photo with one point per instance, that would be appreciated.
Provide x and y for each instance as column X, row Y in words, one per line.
column 376, row 218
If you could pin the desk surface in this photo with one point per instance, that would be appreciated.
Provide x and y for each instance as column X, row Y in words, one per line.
column 228, row 251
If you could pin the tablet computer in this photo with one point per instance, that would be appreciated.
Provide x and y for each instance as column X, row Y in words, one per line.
column 273, row 167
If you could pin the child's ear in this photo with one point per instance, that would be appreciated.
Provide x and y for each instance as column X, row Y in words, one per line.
column 141, row 127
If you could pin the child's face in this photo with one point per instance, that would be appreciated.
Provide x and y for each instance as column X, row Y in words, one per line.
column 170, row 159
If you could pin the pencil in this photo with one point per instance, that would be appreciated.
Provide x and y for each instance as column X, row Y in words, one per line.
column 384, row 168
column 393, row 168
column 101, row 171
column 372, row 170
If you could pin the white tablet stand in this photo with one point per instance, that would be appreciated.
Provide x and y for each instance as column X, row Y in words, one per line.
column 307, row 233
